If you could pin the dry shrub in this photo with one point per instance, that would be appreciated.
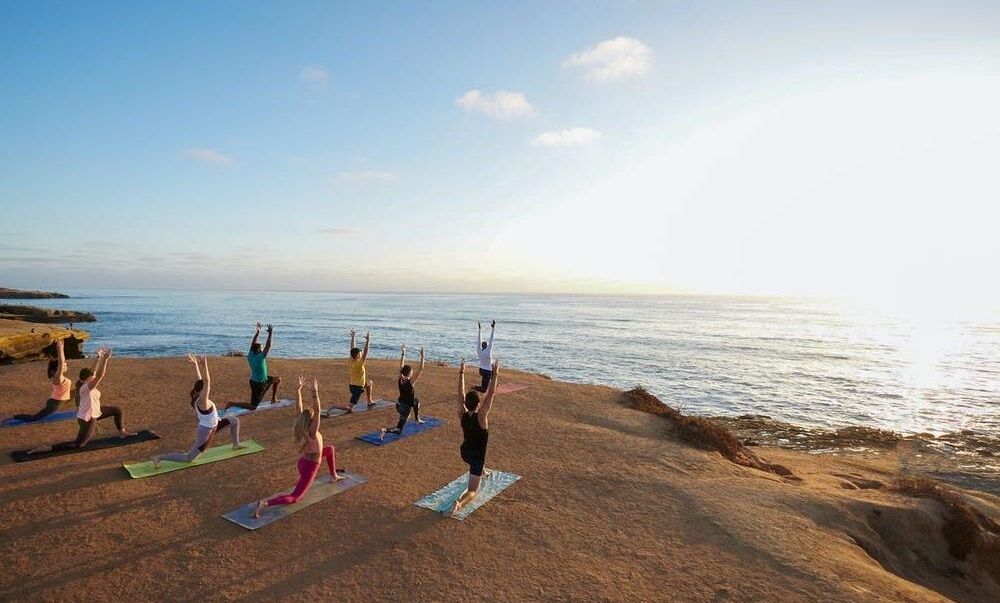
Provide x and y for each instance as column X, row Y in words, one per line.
column 702, row 432
column 234, row 354
column 966, row 529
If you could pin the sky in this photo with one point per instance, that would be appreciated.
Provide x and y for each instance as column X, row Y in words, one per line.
column 841, row 149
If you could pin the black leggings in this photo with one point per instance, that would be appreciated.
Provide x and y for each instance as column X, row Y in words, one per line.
column 87, row 428
column 51, row 405
column 403, row 416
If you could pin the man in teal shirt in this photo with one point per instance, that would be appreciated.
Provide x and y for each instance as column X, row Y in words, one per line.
column 260, row 380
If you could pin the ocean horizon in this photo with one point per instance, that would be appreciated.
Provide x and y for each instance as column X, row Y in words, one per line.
column 811, row 362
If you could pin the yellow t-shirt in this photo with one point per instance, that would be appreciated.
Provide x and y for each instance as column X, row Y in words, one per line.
column 357, row 371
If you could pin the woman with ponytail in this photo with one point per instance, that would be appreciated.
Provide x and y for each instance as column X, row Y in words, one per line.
column 310, row 440
column 207, row 416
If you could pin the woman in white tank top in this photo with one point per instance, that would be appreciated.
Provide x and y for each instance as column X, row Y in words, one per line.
column 207, row 417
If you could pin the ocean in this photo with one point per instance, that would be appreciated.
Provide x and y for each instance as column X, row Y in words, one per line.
column 809, row 362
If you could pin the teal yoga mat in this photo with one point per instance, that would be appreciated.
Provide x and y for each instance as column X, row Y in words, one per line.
column 493, row 483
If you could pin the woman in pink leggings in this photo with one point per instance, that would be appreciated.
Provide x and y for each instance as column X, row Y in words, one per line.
column 313, row 452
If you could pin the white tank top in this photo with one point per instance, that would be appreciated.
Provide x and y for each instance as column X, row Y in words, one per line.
column 90, row 403
column 209, row 419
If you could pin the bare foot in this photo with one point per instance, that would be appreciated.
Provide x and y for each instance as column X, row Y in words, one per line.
column 156, row 461
column 258, row 509
column 348, row 409
column 370, row 404
column 381, row 433
column 337, row 477
column 124, row 433
column 421, row 421
column 40, row 449
column 239, row 446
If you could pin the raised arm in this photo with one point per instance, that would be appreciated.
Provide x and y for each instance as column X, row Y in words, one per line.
column 193, row 360
column 61, row 355
column 203, row 398
column 368, row 343
column 101, row 368
column 420, row 369
column 354, row 335
column 493, row 331
column 402, row 356
column 298, row 395
column 256, row 336
column 490, row 392
column 479, row 336
column 461, row 387
column 317, row 409
column 270, row 333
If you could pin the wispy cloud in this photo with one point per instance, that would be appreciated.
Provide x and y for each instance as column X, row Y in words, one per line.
column 569, row 137
column 367, row 175
column 340, row 232
column 501, row 104
column 210, row 157
column 616, row 59
column 315, row 75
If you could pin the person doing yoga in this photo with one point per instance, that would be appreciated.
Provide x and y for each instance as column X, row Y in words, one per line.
column 407, row 400
column 485, row 351
column 358, row 377
column 61, row 386
column 474, row 418
column 313, row 451
column 207, row 417
column 90, row 410
column 260, row 380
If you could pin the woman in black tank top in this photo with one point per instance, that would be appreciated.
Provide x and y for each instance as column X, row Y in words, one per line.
column 474, row 418
column 407, row 400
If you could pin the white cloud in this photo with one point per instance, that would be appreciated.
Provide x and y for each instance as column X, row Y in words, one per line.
column 367, row 175
column 620, row 58
column 210, row 157
column 569, row 137
column 340, row 232
column 314, row 74
column 501, row 104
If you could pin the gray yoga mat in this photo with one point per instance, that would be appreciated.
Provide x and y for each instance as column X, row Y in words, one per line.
column 321, row 489
column 359, row 407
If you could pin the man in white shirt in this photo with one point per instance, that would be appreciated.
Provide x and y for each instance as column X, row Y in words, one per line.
column 485, row 352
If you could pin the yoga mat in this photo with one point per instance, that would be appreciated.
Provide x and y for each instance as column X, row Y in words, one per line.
column 216, row 453
column 63, row 415
column 96, row 444
column 359, row 407
column 409, row 429
column 493, row 483
column 322, row 488
column 507, row 388
column 237, row 411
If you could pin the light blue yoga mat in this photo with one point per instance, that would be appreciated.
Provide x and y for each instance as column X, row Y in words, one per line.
column 409, row 429
column 493, row 483
column 64, row 415
column 321, row 489
column 236, row 411
column 359, row 407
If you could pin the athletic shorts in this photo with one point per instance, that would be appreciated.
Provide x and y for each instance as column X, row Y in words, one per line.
column 257, row 389
column 356, row 391
column 476, row 460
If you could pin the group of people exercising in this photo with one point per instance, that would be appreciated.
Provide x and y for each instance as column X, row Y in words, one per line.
column 473, row 409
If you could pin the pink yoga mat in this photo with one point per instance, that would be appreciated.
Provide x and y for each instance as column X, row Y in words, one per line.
column 506, row 388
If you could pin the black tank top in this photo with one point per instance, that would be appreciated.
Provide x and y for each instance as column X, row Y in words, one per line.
column 406, row 394
column 475, row 436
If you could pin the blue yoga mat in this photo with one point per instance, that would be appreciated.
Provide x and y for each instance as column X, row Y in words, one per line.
column 56, row 416
column 409, row 429
column 494, row 482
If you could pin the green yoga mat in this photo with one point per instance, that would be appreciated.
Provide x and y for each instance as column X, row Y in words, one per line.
column 216, row 453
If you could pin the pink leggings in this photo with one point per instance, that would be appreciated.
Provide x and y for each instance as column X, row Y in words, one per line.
column 308, row 469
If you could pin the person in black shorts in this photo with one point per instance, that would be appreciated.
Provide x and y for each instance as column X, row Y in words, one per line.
column 407, row 400
column 473, row 415
column 260, row 380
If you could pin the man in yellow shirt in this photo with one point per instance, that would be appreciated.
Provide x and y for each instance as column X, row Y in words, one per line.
column 359, row 382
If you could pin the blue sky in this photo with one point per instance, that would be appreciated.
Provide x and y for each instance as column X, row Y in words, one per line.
column 611, row 146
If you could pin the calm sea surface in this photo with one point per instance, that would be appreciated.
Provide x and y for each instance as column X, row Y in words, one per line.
column 808, row 362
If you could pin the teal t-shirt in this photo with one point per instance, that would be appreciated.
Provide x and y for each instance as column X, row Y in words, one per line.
column 258, row 366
